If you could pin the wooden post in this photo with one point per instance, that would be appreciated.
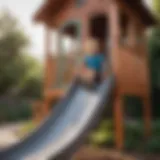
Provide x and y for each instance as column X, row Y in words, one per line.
column 147, row 109
column 147, row 114
column 119, row 123
column 60, row 78
column 50, row 67
column 48, row 60
column 114, row 31
column 114, row 52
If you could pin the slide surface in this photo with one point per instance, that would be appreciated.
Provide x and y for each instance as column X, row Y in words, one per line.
column 66, row 127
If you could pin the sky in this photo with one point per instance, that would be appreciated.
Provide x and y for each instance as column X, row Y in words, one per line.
column 24, row 11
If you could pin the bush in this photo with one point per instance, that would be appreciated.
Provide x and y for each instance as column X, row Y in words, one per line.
column 156, row 128
column 15, row 111
column 103, row 135
column 134, row 136
column 153, row 145
column 133, row 106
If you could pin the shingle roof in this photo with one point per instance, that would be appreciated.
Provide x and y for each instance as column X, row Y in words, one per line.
column 51, row 7
column 139, row 7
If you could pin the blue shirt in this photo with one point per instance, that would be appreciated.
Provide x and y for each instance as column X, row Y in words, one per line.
column 95, row 62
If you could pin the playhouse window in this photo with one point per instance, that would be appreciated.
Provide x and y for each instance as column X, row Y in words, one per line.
column 69, row 46
column 70, row 43
column 124, row 28
column 79, row 3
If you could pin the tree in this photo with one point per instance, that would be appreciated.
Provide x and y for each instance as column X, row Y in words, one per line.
column 31, row 84
column 156, row 7
column 15, row 66
column 154, row 48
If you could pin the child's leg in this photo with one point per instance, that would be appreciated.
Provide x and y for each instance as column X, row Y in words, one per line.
column 98, row 78
column 88, row 76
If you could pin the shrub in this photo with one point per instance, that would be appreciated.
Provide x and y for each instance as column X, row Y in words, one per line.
column 156, row 128
column 134, row 136
column 15, row 111
column 103, row 135
column 153, row 145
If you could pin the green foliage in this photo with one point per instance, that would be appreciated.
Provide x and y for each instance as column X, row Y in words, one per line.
column 15, row 110
column 154, row 57
column 134, row 136
column 156, row 7
column 156, row 128
column 133, row 106
column 20, row 73
column 154, row 48
column 104, row 135
column 153, row 145
column 31, row 84
column 12, row 42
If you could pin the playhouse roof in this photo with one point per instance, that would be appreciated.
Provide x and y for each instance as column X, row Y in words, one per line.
column 51, row 7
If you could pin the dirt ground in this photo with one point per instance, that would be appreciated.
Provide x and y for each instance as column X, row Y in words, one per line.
column 89, row 153
column 8, row 137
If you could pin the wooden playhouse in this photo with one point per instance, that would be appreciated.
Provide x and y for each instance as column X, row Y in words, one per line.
column 120, row 27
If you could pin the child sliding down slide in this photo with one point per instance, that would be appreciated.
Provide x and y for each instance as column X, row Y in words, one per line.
column 90, row 71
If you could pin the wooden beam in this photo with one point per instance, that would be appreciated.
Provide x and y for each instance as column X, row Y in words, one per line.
column 114, row 31
column 118, row 103
column 147, row 114
column 50, row 62
column 119, row 121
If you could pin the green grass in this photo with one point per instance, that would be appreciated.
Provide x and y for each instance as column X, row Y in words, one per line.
column 28, row 127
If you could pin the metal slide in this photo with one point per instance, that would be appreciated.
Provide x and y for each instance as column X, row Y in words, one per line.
column 67, row 126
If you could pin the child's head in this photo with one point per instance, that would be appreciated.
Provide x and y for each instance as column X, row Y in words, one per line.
column 91, row 46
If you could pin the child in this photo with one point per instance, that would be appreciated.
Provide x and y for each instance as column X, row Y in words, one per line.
column 92, row 66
